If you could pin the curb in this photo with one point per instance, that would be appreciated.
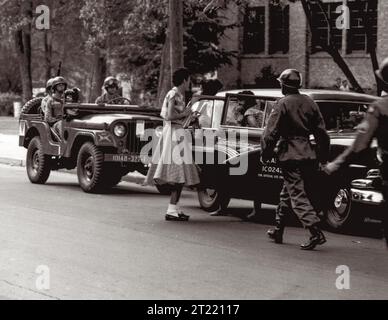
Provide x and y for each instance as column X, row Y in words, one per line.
column 13, row 162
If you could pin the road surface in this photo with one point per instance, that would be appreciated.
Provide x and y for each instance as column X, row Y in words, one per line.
column 60, row 243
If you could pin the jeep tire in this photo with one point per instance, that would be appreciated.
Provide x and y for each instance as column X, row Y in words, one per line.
column 37, row 163
column 90, row 168
column 33, row 106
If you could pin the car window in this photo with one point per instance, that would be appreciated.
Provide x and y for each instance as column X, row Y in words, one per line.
column 205, row 108
column 341, row 117
column 217, row 113
column 246, row 111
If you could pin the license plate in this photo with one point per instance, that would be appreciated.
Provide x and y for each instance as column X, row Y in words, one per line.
column 140, row 128
column 122, row 158
column 272, row 172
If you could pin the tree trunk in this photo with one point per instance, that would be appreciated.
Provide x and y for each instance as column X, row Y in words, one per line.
column 176, row 34
column 371, row 45
column 165, row 83
column 99, row 74
column 22, row 38
column 48, row 52
column 330, row 47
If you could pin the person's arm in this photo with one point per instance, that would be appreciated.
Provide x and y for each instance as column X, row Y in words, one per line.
column 48, row 113
column 366, row 132
column 271, row 134
column 172, row 113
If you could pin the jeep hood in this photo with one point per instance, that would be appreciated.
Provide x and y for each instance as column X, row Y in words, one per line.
column 101, row 119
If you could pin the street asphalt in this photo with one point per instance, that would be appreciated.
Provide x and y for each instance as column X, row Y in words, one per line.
column 118, row 246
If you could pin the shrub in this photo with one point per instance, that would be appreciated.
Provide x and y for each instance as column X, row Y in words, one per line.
column 267, row 78
column 6, row 103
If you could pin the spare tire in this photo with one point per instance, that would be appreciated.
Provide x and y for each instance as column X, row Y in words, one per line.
column 33, row 106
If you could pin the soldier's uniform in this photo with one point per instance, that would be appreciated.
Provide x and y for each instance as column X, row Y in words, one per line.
column 293, row 120
column 114, row 98
column 111, row 98
column 52, row 115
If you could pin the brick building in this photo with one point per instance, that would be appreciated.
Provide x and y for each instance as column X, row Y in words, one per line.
column 279, row 37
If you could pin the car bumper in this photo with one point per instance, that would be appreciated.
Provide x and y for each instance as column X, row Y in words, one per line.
column 370, row 197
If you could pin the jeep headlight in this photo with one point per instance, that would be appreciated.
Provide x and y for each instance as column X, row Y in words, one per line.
column 120, row 130
column 159, row 132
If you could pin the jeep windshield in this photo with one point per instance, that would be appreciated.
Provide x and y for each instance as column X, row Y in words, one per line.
column 342, row 117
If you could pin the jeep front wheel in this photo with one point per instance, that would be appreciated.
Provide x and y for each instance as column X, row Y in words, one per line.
column 37, row 164
column 90, row 168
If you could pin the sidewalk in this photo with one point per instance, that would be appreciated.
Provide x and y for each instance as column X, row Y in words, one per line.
column 10, row 152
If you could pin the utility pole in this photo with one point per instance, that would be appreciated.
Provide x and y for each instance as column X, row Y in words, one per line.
column 176, row 34
column 173, row 55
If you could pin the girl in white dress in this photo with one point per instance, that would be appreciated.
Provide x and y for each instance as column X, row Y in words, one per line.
column 172, row 161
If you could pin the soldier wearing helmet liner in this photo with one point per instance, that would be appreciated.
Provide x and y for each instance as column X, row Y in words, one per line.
column 293, row 120
column 52, row 115
column 111, row 95
column 375, row 125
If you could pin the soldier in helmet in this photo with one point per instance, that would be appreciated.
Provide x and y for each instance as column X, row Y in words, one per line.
column 375, row 125
column 111, row 95
column 51, row 115
column 293, row 120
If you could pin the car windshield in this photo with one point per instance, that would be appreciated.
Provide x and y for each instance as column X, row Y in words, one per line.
column 342, row 117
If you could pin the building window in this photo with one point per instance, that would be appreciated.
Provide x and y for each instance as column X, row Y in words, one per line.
column 254, row 30
column 320, row 24
column 279, row 29
column 357, row 40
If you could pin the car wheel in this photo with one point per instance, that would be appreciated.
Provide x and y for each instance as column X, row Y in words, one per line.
column 338, row 215
column 37, row 163
column 210, row 200
column 90, row 168
column 164, row 189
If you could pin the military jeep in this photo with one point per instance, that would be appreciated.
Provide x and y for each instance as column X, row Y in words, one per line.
column 103, row 142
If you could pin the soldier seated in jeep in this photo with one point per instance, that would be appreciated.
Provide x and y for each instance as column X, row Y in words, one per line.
column 52, row 114
column 111, row 95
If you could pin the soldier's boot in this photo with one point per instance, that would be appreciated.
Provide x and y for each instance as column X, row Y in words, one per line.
column 276, row 233
column 317, row 238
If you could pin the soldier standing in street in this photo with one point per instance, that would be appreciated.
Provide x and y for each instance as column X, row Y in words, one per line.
column 375, row 125
column 293, row 120
column 111, row 95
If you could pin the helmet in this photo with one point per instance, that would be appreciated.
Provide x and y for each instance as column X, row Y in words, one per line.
column 110, row 82
column 291, row 78
column 49, row 84
column 57, row 81
column 382, row 73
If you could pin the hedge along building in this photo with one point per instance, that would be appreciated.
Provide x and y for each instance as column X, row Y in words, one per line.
column 280, row 37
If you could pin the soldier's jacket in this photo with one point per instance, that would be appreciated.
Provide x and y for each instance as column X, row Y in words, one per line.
column 51, row 115
column 375, row 125
column 292, row 121
column 112, row 99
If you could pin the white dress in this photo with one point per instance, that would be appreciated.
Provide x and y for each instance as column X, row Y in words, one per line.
column 172, row 160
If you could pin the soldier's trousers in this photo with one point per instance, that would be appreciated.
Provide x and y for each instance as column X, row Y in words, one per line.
column 300, row 192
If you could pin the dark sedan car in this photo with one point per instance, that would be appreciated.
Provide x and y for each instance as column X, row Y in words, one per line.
column 236, row 122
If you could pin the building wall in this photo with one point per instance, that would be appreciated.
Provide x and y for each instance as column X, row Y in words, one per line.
column 319, row 69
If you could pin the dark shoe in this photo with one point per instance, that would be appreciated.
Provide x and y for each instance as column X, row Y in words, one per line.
column 174, row 218
column 276, row 234
column 183, row 216
column 317, row 238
